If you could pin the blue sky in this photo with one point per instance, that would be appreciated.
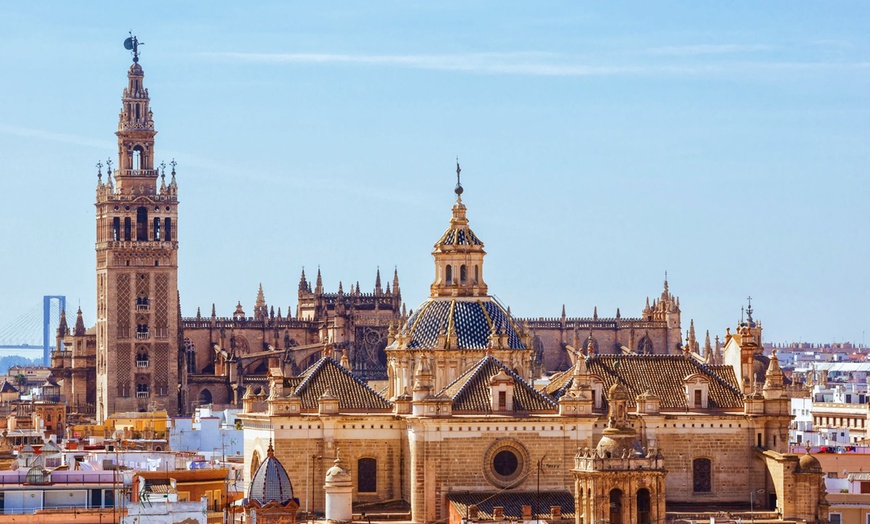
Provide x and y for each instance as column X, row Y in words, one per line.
column 602, row 144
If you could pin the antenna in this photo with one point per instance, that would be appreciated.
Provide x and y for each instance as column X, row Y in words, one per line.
column 132, row 44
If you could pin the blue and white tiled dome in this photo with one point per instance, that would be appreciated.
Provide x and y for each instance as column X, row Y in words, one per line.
column 472, row 321
column 271, row 482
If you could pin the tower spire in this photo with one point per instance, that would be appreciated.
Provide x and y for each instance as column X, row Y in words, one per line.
column 458, row 190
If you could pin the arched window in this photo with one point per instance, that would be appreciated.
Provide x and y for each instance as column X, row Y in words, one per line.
column 128, row 228
column 141, row 223
column 137, row 151
column 701, row 473
column 191, row 355
column 367, row 475
column 167, row 229
column 116, row 229
column 463, row 274
column 476, row 274
column 448, row 274
column 142, row 359
column 645, row 346
column 156, row 229
column 255, row 462
column 616, row 506
column 142, row 390
column 204, row 397
column 643, row 507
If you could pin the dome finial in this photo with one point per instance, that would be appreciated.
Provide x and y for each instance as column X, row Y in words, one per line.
column 458, row 189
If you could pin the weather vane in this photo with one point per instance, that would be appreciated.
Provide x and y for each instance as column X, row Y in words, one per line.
column 132, row 44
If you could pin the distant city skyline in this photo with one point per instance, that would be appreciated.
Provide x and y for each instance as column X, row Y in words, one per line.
column 601, row 146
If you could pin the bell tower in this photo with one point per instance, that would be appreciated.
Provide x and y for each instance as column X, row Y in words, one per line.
column 137, row 266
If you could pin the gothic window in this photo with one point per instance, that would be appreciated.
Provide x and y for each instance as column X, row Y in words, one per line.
column 167, row 229
column 701, row 475
column 448, row 274
column 128, row 228
column 142, row 358
column 142, row 390
column 463, row 274
column 141, row 223
column 156, row 229
column 116, row 229
column 367, row 475
column 645, row 346
column 191, row 355
column 204, row 397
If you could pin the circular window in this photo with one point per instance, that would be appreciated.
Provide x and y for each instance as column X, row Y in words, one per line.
column 506, row 463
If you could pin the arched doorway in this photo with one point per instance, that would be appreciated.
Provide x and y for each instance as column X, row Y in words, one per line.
column 643, row 507
column 616, row 506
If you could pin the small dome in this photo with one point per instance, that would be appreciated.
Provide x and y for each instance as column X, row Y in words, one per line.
column 810, row 464
column 271, row 482
column 617, row 443
column 617, row 392
column 472, row 320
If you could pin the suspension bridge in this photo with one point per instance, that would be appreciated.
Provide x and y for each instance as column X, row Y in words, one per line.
column 33, row 333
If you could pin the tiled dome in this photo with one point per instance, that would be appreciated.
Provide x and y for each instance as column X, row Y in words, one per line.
column 472, row 320
column 270, row 482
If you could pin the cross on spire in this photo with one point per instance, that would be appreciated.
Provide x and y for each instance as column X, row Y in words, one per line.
column 458, row 189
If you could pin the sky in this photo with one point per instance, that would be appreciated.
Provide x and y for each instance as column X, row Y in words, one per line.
column 602, row 144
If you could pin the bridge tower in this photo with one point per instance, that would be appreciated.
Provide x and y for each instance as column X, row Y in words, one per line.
column 47, row 326
column 137, row 267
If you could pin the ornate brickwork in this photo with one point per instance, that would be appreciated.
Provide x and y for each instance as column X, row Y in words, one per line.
column 122, row 359
column 161, row 301
column 123, row 305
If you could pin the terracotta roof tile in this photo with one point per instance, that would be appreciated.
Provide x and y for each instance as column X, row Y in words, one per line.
column 352, row 392
column 470, row 391
column 660, row 374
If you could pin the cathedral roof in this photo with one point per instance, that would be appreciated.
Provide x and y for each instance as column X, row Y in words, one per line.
column 511, row 502
column 472, row 321
column 353, row 393
column 270, row 482
column 471, row 390
column 662, row 375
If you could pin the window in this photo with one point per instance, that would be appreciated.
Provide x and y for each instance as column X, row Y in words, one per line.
column 643, row 506
column 141, row 224
column 141, row 390
column 616, row 506
column 367, row 475
column 156, row 229
column 116, row 229
column 476, row 274
column 137, row 151
column 142, row 358
column 645, row 346
column 836, row 518
column 505, row 461
column 463, row 274
column 448, row 274
column 697, row 398
column 502, row 400
column 701, row 473
column 167, row 229
column 128, row 228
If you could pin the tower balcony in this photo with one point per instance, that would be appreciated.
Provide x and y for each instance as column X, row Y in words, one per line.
column 139, row 173
column 142, row 335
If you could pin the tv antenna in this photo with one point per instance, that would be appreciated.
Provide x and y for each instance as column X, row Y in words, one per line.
column 132, row 44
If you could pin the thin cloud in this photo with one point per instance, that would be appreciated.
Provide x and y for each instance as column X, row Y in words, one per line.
column 533, row 64
column 707, row 49
column 54, row 137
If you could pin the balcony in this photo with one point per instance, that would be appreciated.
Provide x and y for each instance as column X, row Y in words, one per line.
column 142, row 363
column 142, row 335
column 143, row 307
column 142, row 394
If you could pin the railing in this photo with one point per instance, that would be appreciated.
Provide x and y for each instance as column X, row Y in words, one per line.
column 142, row 307
column 136, row 172
column 142, row 335
column 141, row 394
column 142, row 363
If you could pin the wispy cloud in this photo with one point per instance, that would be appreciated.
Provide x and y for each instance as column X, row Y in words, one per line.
column 552, row 64
column 707, row 49
column 54, row 137
column 534, row 64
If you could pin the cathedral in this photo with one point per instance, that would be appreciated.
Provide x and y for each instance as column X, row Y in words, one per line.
column 455, row 408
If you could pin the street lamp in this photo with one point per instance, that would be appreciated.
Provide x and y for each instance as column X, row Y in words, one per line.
column 752, row 502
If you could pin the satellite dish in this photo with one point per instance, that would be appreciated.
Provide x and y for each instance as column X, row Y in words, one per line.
column 128, row 44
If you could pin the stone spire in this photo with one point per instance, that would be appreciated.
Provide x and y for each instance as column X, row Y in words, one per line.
column 773, row 382
column 708, row 349
column 303, row 283
column 396, row 282
column 80, row 324
column 378, row 289
column 260, row 309
column 62, row 328
column 318, row 287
